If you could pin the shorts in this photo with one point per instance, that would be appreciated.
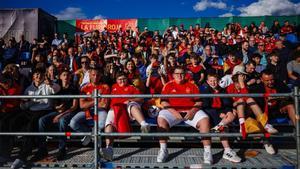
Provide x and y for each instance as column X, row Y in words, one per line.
column 111, row 115
column 172, row 120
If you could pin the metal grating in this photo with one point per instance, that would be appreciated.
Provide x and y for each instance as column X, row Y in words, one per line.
column 178, row 158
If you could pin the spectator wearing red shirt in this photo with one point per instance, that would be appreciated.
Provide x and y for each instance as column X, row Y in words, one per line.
column 197, row 69
column 177, row 110
column 8, row 109
column 83, row 120
column 123, row 110
column 239, row 103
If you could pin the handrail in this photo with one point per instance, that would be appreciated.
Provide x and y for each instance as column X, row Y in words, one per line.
column 97, row 134
column 146, row 96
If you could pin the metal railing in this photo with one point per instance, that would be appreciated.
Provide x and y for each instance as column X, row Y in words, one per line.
column 98, row 135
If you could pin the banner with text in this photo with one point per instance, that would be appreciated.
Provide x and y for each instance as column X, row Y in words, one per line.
column 115, row 24
column 86, row 25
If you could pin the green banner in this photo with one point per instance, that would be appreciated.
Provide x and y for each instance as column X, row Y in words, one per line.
column 66, row 26
column 154, row 24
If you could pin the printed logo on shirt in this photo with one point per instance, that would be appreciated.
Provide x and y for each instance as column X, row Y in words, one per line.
column 126, row 89
column 173, row 91
column 115, row 89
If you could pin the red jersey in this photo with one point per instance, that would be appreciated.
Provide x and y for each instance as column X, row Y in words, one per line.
column 232, row 90
column 89, row 88
column 195, row 69
column 128, row 89
column 181, row 103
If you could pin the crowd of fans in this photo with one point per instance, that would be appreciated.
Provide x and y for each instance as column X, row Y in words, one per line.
column 249, row 59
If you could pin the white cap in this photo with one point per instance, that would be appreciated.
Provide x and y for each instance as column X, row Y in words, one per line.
column 239, row 69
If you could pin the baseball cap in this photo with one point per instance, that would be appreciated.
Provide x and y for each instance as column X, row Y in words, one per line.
column 239, row 69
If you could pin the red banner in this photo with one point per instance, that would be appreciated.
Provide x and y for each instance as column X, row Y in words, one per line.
column 86, row 25
column 114, row 25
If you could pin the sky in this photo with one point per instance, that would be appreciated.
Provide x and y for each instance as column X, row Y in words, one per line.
column 122, row 9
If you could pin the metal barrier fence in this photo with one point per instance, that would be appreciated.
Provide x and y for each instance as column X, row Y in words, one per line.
column 98, row 135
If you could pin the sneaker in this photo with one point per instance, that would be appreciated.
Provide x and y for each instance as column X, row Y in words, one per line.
column 270, row 129
column 61, row 155
column 18, row 163
column 86, row 140
column 162, row 156
column 145, row 128
column 232, row 156
column 107, row 153
column 218, row 128
column 269, row 148
column 207, row 156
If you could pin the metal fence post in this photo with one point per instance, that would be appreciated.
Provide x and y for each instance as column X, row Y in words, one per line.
column 96, row 155
column 296, row 100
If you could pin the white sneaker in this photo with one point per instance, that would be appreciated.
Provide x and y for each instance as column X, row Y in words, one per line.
column 232, row 156
column 17, row 164
column 270, row 129
column 218, row 128
column 145, row 128
column 269, row 148
column 108, row 153
column 162, row 156
column 207, row 156
column 86, row 140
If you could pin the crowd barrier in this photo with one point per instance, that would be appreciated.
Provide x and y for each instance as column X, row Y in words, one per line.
column 98, row 135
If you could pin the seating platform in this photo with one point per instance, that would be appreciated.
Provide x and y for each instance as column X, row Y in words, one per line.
column 178, row 158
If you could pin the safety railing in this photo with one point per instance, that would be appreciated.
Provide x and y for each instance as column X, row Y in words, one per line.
column 98, row 135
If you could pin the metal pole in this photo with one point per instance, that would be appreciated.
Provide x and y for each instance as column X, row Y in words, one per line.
column 166, row 134
column 96, row 155
column 296, row 99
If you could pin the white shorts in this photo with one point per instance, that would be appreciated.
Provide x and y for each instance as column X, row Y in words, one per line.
column 111, row 115
column 172, row 120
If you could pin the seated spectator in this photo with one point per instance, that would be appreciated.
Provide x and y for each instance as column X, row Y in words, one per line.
column 122, row 111
column 155, row 75
column 275, row 106
column 256, row 57
column 187, row 110
column 252, row 77
column 262, row 51
column 277, row 67
column 140, row 65
column 240, row 103
column 52, row 73
column 34, row 109
column 196, row 69
column 81, row 76
column 8, row 109
column 83, row 120
column 220, row 113
column 239, row 87
column 134, row 77
column 293, row 69
column 231, row 62
column 64, row 110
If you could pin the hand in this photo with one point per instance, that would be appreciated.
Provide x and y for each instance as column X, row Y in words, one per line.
column 241, row 78
column 159, row 71
column 252, row 81
column 189, row 115
column 56, row 118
